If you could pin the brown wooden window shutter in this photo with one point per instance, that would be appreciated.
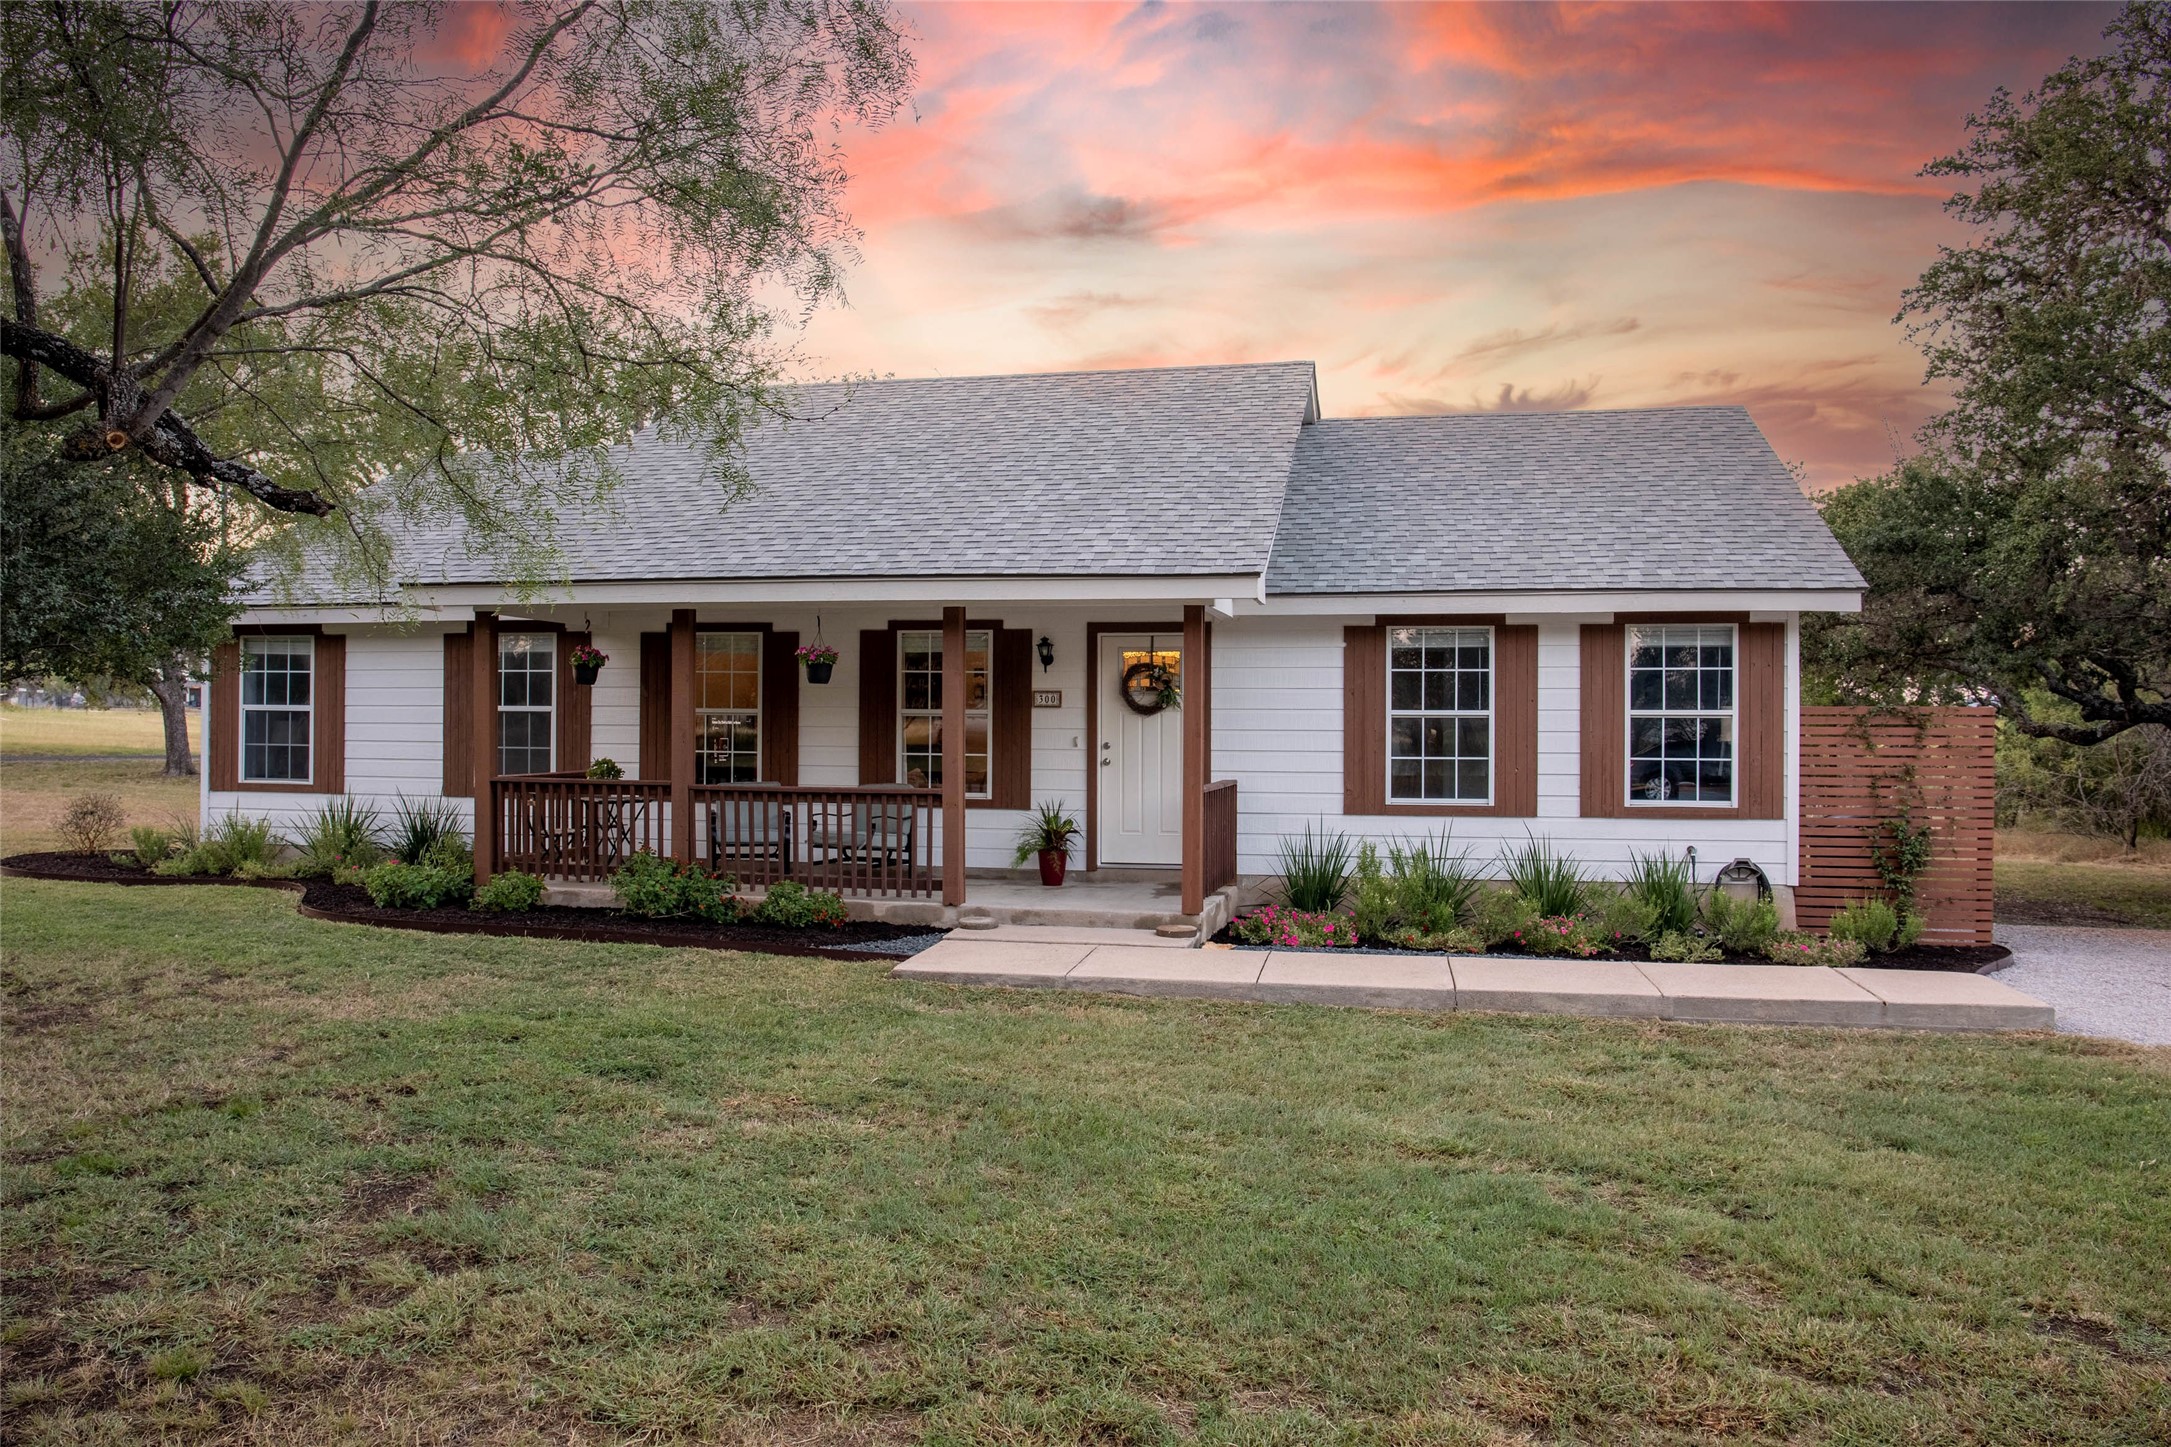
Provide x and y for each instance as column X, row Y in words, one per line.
column 1759, row 727
column 329, row 690
column 1604, row 719
column 1515, row 727
column 655, row 706
column 460, row 715
column 1364, row 719
column 576, row 710
column 1762, row 726
column 878, row 706
column 780, row 708
column 222, row 741
column 1012, row 720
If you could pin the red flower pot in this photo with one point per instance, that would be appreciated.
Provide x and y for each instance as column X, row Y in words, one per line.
column 1052, row 864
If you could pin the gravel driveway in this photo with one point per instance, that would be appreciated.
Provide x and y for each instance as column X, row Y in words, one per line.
column 2114, row 982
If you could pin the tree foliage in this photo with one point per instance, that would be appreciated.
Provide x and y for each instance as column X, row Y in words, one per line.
column 419, row 282
column 2026, row 548
column 108, row 568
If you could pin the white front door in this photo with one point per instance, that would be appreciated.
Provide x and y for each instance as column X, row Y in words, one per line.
column 1140, row 758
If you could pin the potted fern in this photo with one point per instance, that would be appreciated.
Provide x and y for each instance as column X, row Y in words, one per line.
column 1050, row 837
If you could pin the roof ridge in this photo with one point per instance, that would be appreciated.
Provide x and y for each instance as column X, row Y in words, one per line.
column 1061, row 372
column 1549, row 412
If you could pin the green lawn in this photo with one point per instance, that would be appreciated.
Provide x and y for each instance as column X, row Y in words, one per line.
column 276, row 1180
column 2107, row 894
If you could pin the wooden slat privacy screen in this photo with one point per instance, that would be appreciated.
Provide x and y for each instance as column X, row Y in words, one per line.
column 1860, row 767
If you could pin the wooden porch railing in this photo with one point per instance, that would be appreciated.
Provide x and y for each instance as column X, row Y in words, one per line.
column 870, row 840
column 1220, row 832
column 876, row 841
column 569, row 826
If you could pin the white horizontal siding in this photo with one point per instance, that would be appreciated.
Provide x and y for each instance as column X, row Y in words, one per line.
column 1278, row 733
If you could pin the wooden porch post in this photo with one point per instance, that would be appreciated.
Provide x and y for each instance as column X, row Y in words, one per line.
column 1195, row 762
column 953, row 756
column 483, row 740
column 682, row 733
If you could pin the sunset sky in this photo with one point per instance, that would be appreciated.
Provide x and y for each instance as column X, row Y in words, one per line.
column 1447, row 208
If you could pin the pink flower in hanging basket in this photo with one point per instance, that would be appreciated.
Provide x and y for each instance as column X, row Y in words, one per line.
column 816, row 653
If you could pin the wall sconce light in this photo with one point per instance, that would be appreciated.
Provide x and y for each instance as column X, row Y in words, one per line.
column 1047, row 653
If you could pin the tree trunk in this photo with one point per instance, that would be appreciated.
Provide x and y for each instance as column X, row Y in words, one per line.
column 170, row 688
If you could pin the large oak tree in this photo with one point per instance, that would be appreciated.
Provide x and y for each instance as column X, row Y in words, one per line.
column 2027, row 552
column 428, row 272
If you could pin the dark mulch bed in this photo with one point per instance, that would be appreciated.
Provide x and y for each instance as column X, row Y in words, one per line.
column 1970, row 959
column 349, row 904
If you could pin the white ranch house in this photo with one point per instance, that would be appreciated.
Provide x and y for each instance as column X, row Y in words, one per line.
column 1578, row 625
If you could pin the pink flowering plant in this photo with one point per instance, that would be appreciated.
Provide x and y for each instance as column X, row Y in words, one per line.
column 1293, row 928
column 1556, row 934
column 586, row 655
column 816, row 653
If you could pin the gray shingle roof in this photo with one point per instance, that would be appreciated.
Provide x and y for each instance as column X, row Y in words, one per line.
column 1147, row 473
column 1678, row 497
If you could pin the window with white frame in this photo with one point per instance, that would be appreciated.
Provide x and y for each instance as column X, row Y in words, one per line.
column 1681, row 714
column 919, row 697
column 727, row 703
column 277, row 719
column 1440, row 715
column 527, row 701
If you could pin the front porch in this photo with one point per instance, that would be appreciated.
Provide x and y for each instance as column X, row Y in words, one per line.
column 892, row 850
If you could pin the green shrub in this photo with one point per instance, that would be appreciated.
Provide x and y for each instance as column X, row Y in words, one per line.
column 1275, row 925
column 1569, row 934
column 605, row 769
column 1551, row 881
column 657, row 888
column 395, row 885
column 510, row 893
column 1682, row 947
column 791, row 905
column 342, row 831
column 226, row 846
column 1501, row 915
column 1870, row 923
column 152, row 845
column 91, row 823
column 451, row 851
column 1620, row 918
column 1451, row 942
column 1372, row 896
column 419, row 825
column 1792, row 947
column 251, row 869
column 1432, row 888
column 1743, row 926
column 1315, row 871
column 1668, row 886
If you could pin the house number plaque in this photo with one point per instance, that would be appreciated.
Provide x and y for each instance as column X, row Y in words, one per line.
column 1047, row 698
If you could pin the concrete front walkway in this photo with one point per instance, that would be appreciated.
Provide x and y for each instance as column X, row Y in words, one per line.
column 1745, row 994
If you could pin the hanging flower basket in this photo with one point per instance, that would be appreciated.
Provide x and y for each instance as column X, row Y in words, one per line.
column 587, row 662
column 819, row 658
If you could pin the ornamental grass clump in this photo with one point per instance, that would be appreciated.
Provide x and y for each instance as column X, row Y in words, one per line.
column 225, row 847
column 1432, row 888
column 1290, row 928
column 420, row 828
column 1552, row 882
column 1315, row 871
column 341, row 832
column 1668, row 887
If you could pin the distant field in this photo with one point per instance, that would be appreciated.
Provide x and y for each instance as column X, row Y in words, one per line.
column 32, row 796
column 2050, row 878
column 93, row 731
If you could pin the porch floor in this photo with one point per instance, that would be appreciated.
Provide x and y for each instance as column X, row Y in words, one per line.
column 1125, row 900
